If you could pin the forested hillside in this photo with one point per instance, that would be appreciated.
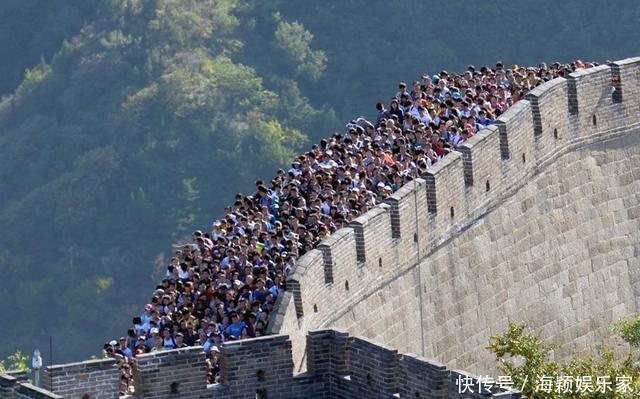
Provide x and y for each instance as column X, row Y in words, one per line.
column 138, row 120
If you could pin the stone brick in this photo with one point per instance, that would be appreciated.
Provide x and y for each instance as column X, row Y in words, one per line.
column 169, row 373
column 550, row 110
column 97, row 378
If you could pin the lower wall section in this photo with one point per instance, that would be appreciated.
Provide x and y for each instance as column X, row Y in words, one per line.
column 92, row 379
column 339, row 366
column 560, row 254
column 178, row 373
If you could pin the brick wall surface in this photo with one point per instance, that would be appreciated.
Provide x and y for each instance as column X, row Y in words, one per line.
column 549, row 107
column 170, row 374
column 419, row 378
column 629, row 72
column 261, row 365
column 98, row 379
column 482, row 170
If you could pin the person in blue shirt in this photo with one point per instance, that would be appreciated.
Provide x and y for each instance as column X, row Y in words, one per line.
column 214, row 339
column 260, row 292
column 235, row 328
column 276, row 288
column 482, row 121
column 124, row 348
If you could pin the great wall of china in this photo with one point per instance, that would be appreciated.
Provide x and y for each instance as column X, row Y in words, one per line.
column 535, row 219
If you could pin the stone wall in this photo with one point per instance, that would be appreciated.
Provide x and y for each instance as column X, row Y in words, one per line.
column 535, row 219
column 339, row 366
column 91, row 379
column 177, row 373
column 562, row 255
column 261, row 366
column 13, row 388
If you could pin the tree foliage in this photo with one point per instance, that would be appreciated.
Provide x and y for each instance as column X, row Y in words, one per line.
column 15, row 362
column 526, row 359
column 137, row 130
column 629, row 330
column 295, row 43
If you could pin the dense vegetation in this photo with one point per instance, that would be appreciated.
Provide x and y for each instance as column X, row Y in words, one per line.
column 137, row 120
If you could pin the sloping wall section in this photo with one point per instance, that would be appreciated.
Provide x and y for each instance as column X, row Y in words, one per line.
column 535, row 219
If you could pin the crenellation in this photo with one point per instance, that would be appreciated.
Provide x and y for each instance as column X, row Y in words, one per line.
column 97, row 378
column 405, row 219
column 373, row 238
column 12, row 387
column 550, row 110
column 29, row 391
column 418, row 377
column 446, row 192
column 517, row 138
column 8, row 386
column 338, row 366
column 484, row 181
column 482, row 168
column 628, row 71
column 310, row 268
column 423, row 221
column 20, row 375
column 328, row 360
column 590, row 101
column 337, row 250
column 283, row 306
column 245, row 370
column 373, row 370
column 167, row 373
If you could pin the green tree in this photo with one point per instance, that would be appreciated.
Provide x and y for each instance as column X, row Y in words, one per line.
column 629, row 330
column 295, row 43
column 525, row 358
column 18, row 361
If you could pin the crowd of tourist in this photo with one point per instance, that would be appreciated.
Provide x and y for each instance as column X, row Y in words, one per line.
column 222, row 285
